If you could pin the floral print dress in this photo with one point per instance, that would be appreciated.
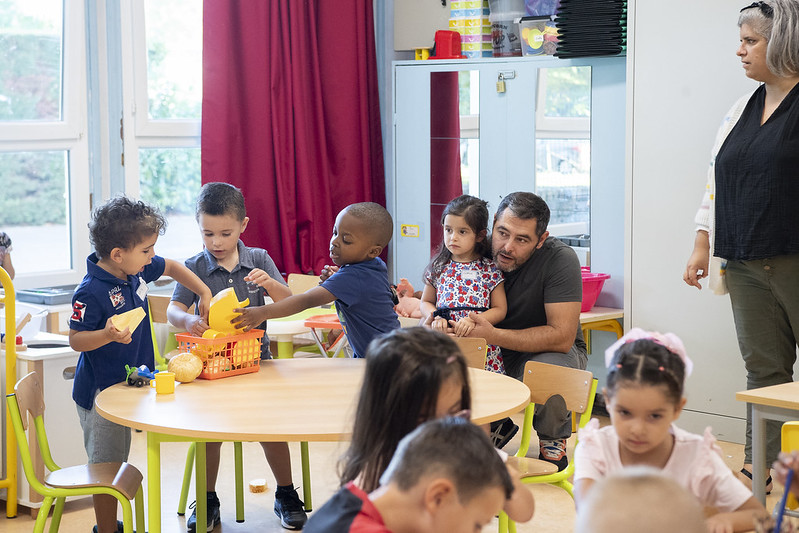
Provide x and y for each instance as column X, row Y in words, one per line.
column 465, row 287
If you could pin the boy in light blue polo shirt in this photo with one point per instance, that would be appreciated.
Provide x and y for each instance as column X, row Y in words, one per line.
column 360, row 288
column 123, row 232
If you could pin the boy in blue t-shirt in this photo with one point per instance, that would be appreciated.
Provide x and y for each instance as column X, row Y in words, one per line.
column 360, row 288
column 123, row 232
column 227, row 262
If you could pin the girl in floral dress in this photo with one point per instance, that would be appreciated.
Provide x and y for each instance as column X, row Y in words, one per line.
column 462, row 278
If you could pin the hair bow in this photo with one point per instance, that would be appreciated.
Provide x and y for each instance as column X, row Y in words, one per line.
column 669, row 340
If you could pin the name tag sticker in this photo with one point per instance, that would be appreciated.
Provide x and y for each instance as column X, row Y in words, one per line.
column 470, row 274
column 141, row 292
column 409, row 230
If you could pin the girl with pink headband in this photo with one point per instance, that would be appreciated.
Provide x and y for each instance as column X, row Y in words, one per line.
column 644, row 396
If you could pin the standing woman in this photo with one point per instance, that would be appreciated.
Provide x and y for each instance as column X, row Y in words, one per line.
column 750, row 211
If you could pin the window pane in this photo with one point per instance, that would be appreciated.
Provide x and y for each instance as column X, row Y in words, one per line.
column 33, row 209
column 568, row 92
column 170, row 179
column 563, row 179
column 174, row 58
column 30, row 59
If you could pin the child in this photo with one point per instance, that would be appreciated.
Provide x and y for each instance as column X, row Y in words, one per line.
column 227, row 262
column 5, row 254
column 430, row 485
column 640, row 498
column 644, row 396
column 462, row 278
column 123, row 233
column 360, row 288
column 424, row 372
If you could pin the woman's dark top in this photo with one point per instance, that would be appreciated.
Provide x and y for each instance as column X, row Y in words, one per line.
column 757, row 183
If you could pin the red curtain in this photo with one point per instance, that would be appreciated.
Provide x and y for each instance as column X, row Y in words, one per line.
column 445, row 149
column 291, row 116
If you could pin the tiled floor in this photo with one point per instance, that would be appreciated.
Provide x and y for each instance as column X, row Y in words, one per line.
column 554, row 508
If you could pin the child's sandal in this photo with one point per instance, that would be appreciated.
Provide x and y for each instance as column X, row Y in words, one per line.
column 769, row 481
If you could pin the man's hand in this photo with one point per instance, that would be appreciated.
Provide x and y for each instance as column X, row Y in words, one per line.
column 482, row 327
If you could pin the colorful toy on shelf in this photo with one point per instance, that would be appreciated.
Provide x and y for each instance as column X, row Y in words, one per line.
column 221, row 313
column 139, row 376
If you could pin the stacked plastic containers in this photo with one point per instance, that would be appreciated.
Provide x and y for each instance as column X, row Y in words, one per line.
column 470, row 19
column 504, row 17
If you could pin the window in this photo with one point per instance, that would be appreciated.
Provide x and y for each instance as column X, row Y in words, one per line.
column 43, row 146
column 563, row 147
column 162, row 115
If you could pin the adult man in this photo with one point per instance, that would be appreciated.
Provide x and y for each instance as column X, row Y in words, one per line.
column 543, row 284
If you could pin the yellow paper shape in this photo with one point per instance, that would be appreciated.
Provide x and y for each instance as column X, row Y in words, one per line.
column 221, row 313
column 129, row 319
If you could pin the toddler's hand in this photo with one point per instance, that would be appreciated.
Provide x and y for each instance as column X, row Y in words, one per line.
column 719, row 523
column 328, row 271
column 439, row 324
column 463, row 327
column 259, row 277
column 249, row 318
column 196, row 325
column 784, row 463
column 114, row 335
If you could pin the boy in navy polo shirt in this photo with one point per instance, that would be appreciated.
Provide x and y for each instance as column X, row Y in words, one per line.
column 123, row 233
column 360, row 288
column 227, row 262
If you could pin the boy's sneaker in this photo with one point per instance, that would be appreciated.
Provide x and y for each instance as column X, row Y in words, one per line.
column 212, row 514
column 290, row 509
column 554, row 451
column 502, row 431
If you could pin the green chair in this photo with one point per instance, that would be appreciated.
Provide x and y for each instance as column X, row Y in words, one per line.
column 578, row 388
column 120, row 480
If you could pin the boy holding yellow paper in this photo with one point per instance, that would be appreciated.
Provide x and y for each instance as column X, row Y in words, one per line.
column 114, row 290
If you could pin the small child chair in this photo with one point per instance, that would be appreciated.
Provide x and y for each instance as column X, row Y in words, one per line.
column 120, row 480
column 474, row 350
column 577, row 387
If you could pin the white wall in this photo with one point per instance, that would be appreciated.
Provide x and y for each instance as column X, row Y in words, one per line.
column 685, row 75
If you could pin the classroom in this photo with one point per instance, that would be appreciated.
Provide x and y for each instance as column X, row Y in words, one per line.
column 134, row 112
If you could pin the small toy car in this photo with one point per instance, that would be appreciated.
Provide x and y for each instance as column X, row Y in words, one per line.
column 139, row 376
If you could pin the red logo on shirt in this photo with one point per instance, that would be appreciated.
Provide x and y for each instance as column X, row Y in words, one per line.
column 78, row 310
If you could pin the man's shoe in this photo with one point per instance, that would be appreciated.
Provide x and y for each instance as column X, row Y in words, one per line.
column 502, row 432
column 212, row 514
column 554, row 451
column 290, row 509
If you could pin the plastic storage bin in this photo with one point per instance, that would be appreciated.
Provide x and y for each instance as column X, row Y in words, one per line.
column 227, row 355
column 38, row 315
column 539, row 36
column 592, row 286
column 540, row 8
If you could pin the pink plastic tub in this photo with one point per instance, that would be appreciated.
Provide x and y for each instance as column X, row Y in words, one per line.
column 592, row 286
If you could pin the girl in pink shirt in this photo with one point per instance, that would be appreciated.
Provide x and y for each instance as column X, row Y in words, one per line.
column 644, row 396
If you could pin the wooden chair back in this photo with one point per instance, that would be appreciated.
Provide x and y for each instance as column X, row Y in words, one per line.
column 30, row 397
column 474, row 350
column 299, row 283
column 545, row 380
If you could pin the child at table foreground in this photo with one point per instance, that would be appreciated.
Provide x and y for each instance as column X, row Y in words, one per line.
column 640, row 498
column 227, row 262
column 444, row 477
column 424, row 372
column 644, row 396
column 360, row 288
column 123, row 232
column 462, row 278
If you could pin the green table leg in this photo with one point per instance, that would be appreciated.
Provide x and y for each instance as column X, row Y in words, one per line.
column 201, row 505
column 306, row 477
column 154, row 482
column 237, row 454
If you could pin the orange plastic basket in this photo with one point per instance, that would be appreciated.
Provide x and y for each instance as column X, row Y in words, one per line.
column 225, row 356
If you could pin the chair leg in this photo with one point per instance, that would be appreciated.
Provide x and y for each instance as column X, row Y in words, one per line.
column 511, row 526
column 237, row 454
column 184, row 490
column 140, row 509
column 127, row 514
column 58, row 512
column 41, row 517
column 503, row 522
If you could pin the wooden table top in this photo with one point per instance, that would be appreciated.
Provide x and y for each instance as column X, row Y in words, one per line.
column 785, row 395
column 601, row 313
column 289, row 400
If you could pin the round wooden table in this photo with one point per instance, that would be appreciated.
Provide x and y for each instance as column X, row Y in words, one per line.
column 291, row 400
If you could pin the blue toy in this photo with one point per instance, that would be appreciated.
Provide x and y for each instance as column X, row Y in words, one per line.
column 139, row 376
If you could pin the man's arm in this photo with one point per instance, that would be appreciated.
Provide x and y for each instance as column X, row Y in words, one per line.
column 556, row 336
